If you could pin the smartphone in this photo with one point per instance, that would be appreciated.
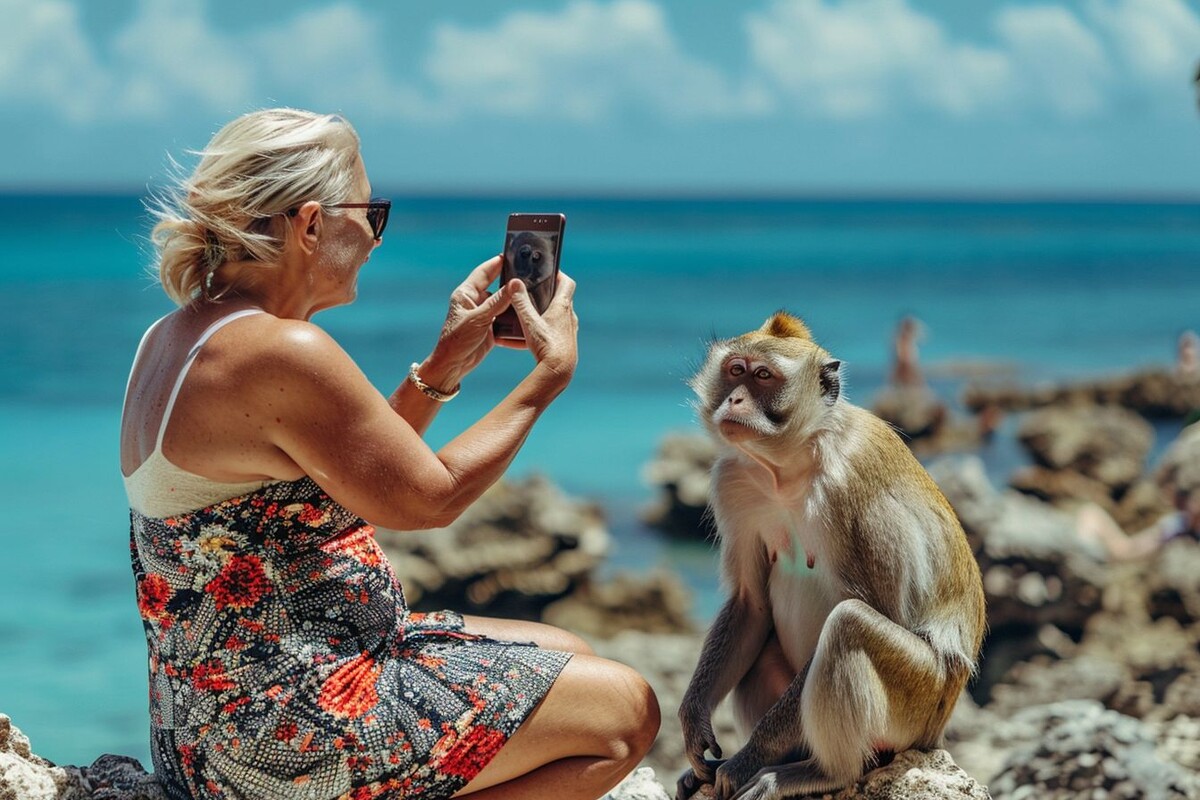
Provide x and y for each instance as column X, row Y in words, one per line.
column 532, row 248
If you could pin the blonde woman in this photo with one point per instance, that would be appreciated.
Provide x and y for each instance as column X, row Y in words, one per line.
column 283, row 660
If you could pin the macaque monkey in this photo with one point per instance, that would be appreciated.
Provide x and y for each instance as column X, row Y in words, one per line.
column 855, row 611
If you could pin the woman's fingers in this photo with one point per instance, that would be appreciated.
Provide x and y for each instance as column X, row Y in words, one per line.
column 483, row 275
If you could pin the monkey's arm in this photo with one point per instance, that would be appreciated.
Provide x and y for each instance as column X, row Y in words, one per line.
column 730, row 649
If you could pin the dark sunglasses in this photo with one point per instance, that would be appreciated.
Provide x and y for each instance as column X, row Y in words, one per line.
column 378, row 210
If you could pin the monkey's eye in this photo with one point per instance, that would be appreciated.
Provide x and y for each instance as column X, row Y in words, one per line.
column 537, row 256
column 763, row 374
column 736, row 370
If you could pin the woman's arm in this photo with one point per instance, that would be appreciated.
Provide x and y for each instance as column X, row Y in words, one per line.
column 319, row 409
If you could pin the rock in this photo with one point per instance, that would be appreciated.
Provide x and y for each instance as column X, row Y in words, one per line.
column 1173, row 585
column 26, row 776
column 1037, row 572
column 1108, row 445
column 915, row 411
column 680, row 473
column 1042, row 681
column 917, row 775
column 657, row 603
column 642, row 784
column 518, row 548
column 1153, row 393
column 1078, row 748
column 911, row 775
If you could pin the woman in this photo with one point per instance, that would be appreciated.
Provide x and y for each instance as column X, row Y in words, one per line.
column 283, row 660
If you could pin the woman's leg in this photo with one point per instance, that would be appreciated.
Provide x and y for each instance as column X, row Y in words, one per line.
column 544, row 636
column 591, row 729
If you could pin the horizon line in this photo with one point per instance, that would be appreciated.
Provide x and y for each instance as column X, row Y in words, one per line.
column 697, row 193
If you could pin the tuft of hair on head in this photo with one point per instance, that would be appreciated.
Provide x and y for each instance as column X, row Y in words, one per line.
column 783, row 325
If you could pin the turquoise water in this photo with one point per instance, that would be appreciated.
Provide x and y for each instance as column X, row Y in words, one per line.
column 1049, row 290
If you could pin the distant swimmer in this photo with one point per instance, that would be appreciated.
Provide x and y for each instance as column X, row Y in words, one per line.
column 905, row 370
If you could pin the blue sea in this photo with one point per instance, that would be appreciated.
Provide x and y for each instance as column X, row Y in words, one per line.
column 1031, row 290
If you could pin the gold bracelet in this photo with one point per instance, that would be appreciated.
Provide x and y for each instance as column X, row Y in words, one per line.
column 429, row 391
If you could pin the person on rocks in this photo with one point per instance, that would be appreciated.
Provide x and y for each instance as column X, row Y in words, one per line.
column 1178, row 478
column 283, row 660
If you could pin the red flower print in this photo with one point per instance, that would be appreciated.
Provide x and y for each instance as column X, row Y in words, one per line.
column 472, row 752
column 153, row 595
column 350, row 690
column 240, row 585
column 286, row 731
column 211, row 677
column 358, row 543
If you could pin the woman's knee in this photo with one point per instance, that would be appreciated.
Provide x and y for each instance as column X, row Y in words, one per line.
column 641, row 716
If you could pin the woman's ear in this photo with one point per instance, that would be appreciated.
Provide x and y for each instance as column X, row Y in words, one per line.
column 307, row 224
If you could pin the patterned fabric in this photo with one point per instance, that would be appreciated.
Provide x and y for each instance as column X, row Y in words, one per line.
column 285, row 663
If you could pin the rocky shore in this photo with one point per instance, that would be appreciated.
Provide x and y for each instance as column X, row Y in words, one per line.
column 1089, row 685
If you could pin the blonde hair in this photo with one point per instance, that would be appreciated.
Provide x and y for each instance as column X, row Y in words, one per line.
column 255, row 169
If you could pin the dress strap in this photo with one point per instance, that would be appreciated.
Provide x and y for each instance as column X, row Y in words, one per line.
column 187, row 364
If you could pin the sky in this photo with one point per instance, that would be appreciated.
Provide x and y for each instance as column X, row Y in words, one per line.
column 962, row 97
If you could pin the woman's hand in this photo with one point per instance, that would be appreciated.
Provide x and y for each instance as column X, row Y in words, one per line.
column 466, row 336
column 551, row 336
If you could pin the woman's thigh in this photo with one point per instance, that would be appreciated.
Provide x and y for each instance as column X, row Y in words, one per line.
column 544, row 636
column 596, row 708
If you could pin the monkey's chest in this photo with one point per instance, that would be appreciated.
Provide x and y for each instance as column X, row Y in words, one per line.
column 803, row 592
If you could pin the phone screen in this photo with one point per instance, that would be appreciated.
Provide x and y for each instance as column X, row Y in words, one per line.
column 532, row 247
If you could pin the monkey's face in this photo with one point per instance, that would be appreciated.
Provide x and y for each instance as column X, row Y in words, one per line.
column 763, row 388
column 532, row 257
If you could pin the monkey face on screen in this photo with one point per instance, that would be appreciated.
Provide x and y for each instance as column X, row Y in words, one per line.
column 532, row 256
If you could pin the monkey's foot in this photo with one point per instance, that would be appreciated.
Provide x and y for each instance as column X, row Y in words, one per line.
column 775, row 783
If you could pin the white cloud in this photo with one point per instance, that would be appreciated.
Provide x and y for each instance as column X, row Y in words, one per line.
column 861, row 57
column 1159, row 39
column 593, row 60
column 1060, row 64
column 44, row 54
column 170, row 56
column 583, row 63
column 333, row 57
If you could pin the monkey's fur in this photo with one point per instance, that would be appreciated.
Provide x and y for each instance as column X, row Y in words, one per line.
column 855, row 611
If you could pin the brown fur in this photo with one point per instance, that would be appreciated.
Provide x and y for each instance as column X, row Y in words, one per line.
column 889, row 614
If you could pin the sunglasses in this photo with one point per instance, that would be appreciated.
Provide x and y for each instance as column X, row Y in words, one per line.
column 377, row 213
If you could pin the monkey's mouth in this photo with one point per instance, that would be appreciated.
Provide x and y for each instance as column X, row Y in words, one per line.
column 738, row 431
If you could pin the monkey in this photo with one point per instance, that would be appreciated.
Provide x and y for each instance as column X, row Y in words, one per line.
column 855, row 609
column 532, row 259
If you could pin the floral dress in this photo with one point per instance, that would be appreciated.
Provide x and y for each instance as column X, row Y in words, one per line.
column 284, row 662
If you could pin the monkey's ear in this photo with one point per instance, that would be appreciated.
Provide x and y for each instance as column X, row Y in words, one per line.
column 783, row 325
column 831, row 381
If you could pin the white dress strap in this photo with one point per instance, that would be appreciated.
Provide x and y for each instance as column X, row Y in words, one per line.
column 187, row 364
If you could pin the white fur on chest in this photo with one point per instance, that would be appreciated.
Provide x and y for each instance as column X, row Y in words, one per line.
column 801, row 585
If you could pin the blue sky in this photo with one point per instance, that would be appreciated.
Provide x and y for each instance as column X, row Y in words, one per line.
column 646, row 96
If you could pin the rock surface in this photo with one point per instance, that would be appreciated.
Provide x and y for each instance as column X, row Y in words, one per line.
column 912, row 775
column 1154, row 393
column 26, row 776
column 1036, row 571
column 1078, row 748
column 679, row 472
column 525, row 550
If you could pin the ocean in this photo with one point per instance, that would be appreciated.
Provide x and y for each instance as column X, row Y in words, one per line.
column 1027, row 289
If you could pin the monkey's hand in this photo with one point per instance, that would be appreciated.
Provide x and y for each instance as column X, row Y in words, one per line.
column 698, row 737
column 736, row 773
column 689, row 783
